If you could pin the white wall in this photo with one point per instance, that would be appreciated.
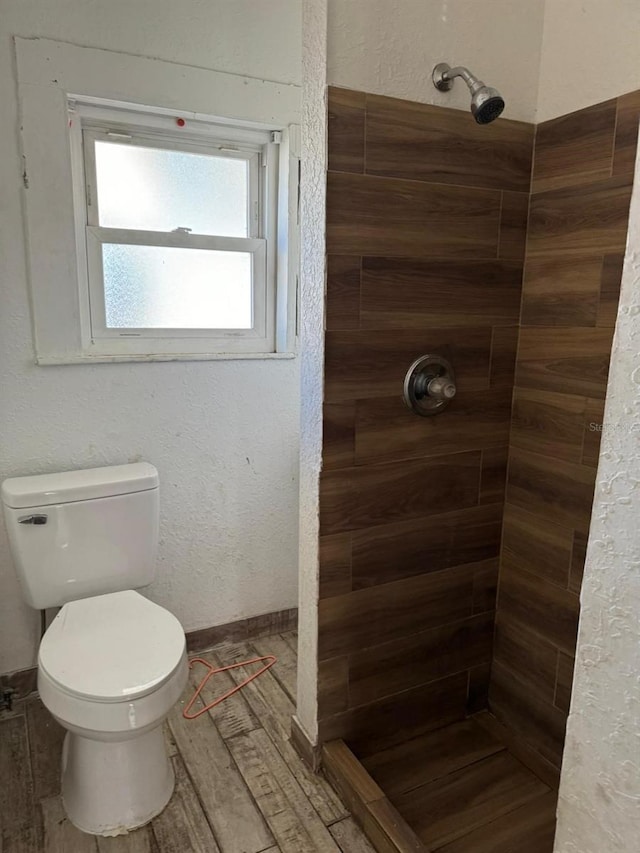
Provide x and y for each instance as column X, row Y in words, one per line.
column 590, row 53
column 600, row 786
column 312, row 279
column 224, row 435
column 389, row 47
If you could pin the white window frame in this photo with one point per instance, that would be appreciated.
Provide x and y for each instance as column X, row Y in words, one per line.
column 105, row 88
column 90, row 123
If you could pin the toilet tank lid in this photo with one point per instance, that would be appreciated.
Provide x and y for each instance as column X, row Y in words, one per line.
column 84, row 485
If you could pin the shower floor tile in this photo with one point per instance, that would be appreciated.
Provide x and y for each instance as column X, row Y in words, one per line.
column 461, row 790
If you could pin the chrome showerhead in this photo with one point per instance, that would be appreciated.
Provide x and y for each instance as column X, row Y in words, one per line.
column 486, row 102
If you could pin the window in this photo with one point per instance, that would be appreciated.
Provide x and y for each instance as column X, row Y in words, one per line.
column 156, row 234
column 180, row 228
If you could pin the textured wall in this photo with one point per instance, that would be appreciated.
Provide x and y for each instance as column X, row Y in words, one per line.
column 389, row 47
column 425, row 241
column 600, row 788
column 312, row 278
column 224, row 435
column 581, row 188
column 589, row 54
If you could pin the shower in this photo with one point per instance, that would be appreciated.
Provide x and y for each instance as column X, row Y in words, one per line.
column 486, row 102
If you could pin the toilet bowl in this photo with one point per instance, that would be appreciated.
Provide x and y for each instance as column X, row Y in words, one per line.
column 110, row 668
column 112, row 664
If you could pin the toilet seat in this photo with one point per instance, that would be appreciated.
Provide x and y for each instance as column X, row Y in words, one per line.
column 112, row 648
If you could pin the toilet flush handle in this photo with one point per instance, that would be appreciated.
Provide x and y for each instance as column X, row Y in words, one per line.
column 34, row 519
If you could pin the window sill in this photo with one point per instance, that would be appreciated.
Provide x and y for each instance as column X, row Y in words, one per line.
column 46, row 361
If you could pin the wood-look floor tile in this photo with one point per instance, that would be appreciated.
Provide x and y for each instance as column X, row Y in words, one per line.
column 291, row 818
column 610, row 289
column 285, row 669
column 266, row 698
column 379, row 614
column 371, row 728
column 427, row 544
column 368, row 215
column 60, row 835
column 291, row 637
column 578, row 221
column 527, row 655
column 520, row 749
column 574, row 149
column 343, row 292
column 182, row 826
column 528, row 829
column 374, row 363
column 169, row 742
column 274, row 709
column 18, row 828
column 564, row 681
column 231, row 717
column 513, row 225
column 410, row 293
column 449, row 808
column 534, row 543
column 547, row 610
column 411, row 140
column 538, row 723
column 357, row 498
column 230, row 809
column 387, row 429
column 346, row 117
column 45, row 746
column 349, row 837
column 335, row 564
column 338, row 434
column 414, row 660
column 626, row 143
column 570, row 361
column 559, row 292
column 561, row 492
column 548, row 423
column 432, row 756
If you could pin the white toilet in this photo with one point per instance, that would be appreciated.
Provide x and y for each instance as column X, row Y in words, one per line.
column 112, row 664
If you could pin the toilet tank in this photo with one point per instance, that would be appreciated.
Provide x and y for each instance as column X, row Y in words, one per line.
column 82, row 533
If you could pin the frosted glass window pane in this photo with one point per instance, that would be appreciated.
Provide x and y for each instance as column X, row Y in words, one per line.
column 157, row 287
column 156, row 189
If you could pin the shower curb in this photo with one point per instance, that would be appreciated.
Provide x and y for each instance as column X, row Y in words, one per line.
column 385, row 828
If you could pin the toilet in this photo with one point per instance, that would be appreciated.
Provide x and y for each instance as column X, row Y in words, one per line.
column 112, row 664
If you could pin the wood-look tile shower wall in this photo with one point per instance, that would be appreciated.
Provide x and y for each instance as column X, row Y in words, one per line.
column 426, row 227
column 581, row 189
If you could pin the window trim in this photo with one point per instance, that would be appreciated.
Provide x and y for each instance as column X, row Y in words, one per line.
column 50, row 75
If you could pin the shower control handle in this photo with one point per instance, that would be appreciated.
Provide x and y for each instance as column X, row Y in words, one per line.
column 430, row 385
column 441, row 388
